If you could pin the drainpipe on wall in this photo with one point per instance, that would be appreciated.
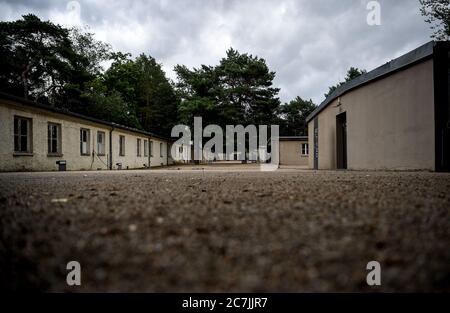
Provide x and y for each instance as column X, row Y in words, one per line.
column 149, row 153
column 167, row 153
column 110, row 149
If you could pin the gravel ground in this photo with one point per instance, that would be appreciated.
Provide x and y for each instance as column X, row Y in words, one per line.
column 218, row 231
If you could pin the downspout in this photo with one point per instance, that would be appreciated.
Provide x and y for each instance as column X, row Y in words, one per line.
column 110, row 149
column 167, row 153
column 149, row 153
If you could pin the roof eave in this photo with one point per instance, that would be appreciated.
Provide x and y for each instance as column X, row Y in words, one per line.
column 44, row 107
column 417, row 55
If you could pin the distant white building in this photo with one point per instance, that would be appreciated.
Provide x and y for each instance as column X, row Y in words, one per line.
column 37, row 137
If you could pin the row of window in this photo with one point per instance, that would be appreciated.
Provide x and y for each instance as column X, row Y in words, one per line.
column 139, row 147
column 23, row 140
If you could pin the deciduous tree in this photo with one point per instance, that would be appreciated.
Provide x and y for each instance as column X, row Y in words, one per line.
column 437, row 13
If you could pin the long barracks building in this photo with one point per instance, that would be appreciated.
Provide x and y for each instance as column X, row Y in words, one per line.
column 37, row 137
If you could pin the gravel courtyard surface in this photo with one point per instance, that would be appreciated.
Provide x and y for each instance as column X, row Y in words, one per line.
column 195, row 231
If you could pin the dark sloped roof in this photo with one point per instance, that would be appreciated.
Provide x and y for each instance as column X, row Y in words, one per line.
column 41, row 106
column 423, row 52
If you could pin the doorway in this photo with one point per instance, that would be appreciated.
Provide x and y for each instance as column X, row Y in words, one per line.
column 341, row 140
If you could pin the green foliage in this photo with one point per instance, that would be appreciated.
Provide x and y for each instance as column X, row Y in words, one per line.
column 51, row 64
column 146, row 90
column 94, row 51
column 204, row 107
column 64, row 67
column 156, row 99
column 237, row 91
column 122, row 77
column 293, row 117
column 437, row 13
column 352, row 73
column 111, row 95
column 112, row 107
column 39, row 60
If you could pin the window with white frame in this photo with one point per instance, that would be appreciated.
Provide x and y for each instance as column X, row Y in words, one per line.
column 22, row 135
column 151, row 148
column 138, row 147
column 85, row 140
column 122, row 145
column 145, row 148
column 161, row 149
column 101, row 146
column 305, row 149
column 54, row 138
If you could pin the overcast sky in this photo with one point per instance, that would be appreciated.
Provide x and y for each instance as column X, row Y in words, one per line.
column 310, row 44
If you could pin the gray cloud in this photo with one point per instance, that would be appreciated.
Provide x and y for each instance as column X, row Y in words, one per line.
column 310, row 44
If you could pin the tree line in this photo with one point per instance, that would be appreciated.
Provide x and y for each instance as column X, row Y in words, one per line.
column 63, row 67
